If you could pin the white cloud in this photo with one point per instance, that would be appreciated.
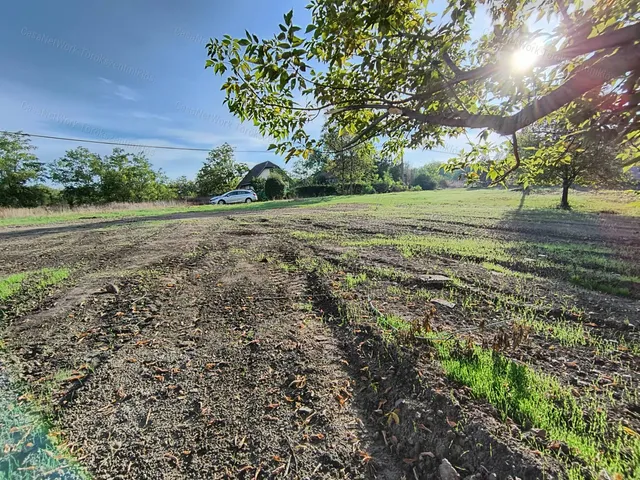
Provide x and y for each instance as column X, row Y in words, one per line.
column 121, row 91
column 126, row 93
column 149, row 116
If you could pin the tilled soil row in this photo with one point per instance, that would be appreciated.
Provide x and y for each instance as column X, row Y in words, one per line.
column 211, row 370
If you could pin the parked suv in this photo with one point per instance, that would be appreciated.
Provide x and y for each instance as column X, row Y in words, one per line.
column 235, row 196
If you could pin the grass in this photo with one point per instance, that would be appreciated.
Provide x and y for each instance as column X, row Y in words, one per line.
column 535, row 399
column 32, row 281
column 28, row 449
column 575, row 263
column 11, row 285
column 450, row 202
column 42, row 216
column 352, row 281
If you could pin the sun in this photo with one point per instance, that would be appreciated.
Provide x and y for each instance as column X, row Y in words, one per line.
column 524, row 59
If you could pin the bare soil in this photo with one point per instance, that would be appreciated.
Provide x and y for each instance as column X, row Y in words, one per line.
column 218, row 359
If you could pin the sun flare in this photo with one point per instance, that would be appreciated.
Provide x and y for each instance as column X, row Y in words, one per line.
column 524, row 59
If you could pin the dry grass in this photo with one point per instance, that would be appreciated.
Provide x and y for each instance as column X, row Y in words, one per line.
column 6, row 213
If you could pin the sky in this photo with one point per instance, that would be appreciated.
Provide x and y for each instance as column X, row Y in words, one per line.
column 133, row 72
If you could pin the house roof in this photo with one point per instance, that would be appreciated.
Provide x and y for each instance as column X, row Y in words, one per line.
column 256, row 171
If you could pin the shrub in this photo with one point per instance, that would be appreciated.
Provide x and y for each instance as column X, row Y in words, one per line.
column 425, row 181
column 352, row 188
column 275, row 187
column 368, row 189
column 442, row 183
column 324, row 190
column 398, row 187
column 382, row 187
column 416, row 188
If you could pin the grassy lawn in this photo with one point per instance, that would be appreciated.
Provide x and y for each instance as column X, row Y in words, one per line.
column 452, row 201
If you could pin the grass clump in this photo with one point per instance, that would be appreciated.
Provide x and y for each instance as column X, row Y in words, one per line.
column 533, row 399
column 394, row 323
column 352, row 281
column 611, row 287
column 31, row 281
column 11, row 285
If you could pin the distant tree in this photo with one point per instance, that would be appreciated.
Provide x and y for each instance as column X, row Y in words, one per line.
column 275, row 187
column 385, row 164
column 315, row 163
column 425, row 181
column 78, row 172
column 348, row 164
column 130, row 177
column 220, row 171
column 553, row 152
column 19, row 170
column 183, row 187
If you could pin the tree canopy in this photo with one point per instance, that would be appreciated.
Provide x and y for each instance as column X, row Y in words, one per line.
column 87, row 177
column 19, row 169
column 553, row 153
column 220, row 172
column 394, row 70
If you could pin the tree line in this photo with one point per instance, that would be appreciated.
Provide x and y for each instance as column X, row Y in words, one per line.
column 82, row 177
column 335, row 169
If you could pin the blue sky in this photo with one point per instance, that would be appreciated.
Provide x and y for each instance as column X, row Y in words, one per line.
column 133, row 71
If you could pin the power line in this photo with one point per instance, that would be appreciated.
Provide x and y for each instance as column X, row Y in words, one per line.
column 81, row 140
column 124, row 144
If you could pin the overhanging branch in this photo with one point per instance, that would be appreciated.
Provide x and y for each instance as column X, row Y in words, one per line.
column 590, row 78
column 612, row 39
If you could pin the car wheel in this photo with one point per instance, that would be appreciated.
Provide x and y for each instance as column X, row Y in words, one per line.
column 248, row 200
column 221, row 202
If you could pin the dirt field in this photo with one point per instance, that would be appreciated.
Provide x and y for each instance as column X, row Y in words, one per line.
column 352, row 340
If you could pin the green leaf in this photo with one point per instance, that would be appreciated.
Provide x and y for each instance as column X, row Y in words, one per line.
column 288, row 16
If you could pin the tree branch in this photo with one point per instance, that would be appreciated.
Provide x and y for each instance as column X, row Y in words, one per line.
column 450, row 63
column 516, row 154
column 614, row 38
column 590, row 78
column 363, row 136
column 563, row 11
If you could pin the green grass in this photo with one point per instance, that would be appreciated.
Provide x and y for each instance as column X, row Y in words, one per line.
column 11, row 285
column 32, row 281
column 576, row 263
column 484, row 204
column 111, row 214
column 352, row 281
column 534, row 399
column 605, row 286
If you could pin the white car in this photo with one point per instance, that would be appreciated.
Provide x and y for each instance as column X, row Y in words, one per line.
column 235, row 196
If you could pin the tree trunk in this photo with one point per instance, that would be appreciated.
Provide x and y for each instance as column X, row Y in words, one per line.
column 564, row 203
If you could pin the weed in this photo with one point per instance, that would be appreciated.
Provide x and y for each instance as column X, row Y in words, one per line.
column 352, row 281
